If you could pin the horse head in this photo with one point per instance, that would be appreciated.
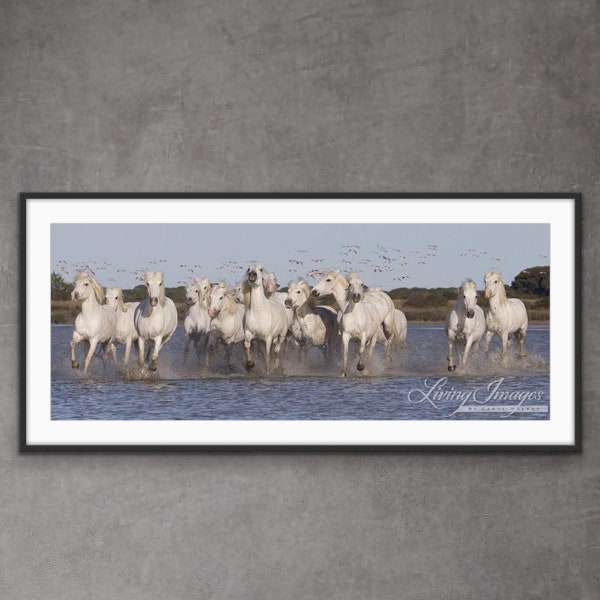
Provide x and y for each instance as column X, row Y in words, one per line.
column 298, row 294
column 86, row 286
column 355, row 288
column 255, row 275
column 219, row 298
column 328, row 282
column 192, row 294
column 114, row 299
column 467, row 293
column 156, row 289
column 493, row 284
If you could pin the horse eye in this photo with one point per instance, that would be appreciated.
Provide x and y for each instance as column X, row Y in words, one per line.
column 86, row 284
column 328, row 280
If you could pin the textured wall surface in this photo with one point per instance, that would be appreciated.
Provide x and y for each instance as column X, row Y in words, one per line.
column 282, row 95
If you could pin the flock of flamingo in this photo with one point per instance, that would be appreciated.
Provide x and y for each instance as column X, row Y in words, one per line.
column 255, row 311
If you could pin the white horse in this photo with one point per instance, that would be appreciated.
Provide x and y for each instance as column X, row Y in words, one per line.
column 400, row 326
column 155, row 318
column 227, row 320
column 313, row 325
column 264, row 319
column 96, row 322
column 333, row 282
column 270, row 285
column 505, row 315
column 196, row 325
column 360, row 321
column 125, row 333
column 465, row 324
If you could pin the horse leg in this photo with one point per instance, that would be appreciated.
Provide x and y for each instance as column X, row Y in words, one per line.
column 199, row 346
column 141, row 351
column 388, row 332
column 74, row 340
column 209, row 350
column 90, row 354
column 114, row 352
column 345, row 344
column 451, row 365
column 488, row 337
column 521, row 338
column 465, row 355
column 277, row 349
column 504, row 347
column 157, row 346
column 127, row 350
column 268, row 342
column 247, row 348
column 361, row 350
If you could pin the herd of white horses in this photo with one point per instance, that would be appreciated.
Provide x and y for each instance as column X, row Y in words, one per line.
column 219, row 315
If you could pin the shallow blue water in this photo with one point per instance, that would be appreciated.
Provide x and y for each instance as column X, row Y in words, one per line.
column 416, row 385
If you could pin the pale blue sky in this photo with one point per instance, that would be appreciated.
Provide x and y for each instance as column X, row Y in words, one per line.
column 389, row 255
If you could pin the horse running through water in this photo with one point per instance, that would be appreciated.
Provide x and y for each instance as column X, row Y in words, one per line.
column 227, row 321
column 506, row 315
column 125, row 332
column 96, row 322
column 465, row 324
column 313, row 325
column 333, row 282
column 264, row 319
column 155, row 318
column 196, row 324
column 360, row 321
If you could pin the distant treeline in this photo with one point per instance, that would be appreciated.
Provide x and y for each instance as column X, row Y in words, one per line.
column 532, row 286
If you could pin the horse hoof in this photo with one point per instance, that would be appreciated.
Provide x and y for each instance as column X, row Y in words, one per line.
column 249, row 364
column 152, row 366
column 360, row 367
column 75, row 364
column 451, row 367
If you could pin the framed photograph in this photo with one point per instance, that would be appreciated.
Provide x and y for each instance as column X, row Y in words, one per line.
column 318, row 321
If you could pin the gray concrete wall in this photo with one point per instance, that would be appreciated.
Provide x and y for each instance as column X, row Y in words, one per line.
column 404, row 95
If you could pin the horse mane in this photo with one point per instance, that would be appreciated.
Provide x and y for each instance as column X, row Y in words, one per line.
column 335, row 274
column 308, row 297
column 468, row 284
column 231, row 304
column 98, row 291
column 247, row 292
column 80, row 275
